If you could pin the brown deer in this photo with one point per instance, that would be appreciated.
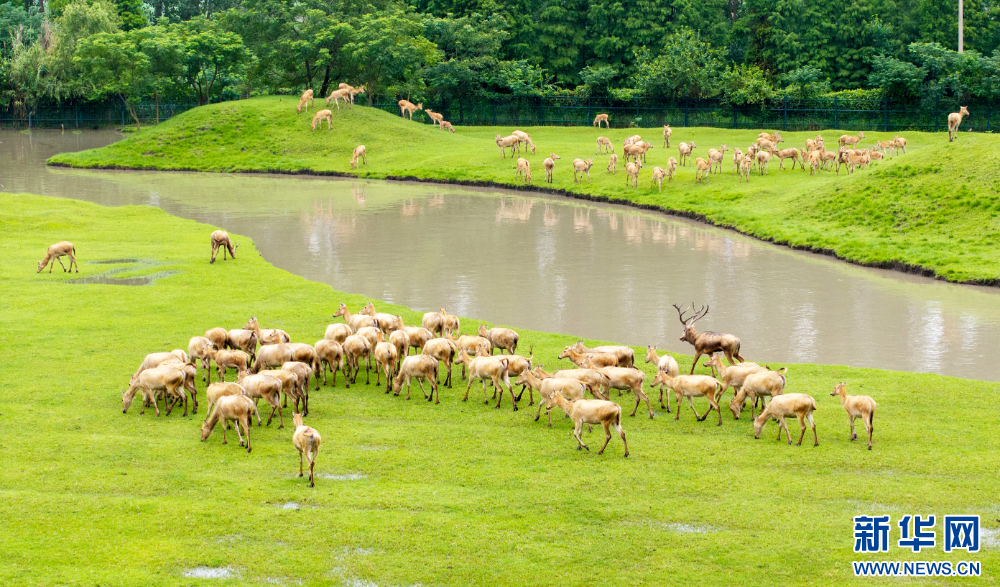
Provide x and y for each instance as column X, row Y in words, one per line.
column 706, row 343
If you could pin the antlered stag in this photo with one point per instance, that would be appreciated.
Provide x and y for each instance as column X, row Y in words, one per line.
column 706, row 343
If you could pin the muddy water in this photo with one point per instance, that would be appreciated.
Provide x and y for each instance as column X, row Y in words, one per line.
column 553, row 264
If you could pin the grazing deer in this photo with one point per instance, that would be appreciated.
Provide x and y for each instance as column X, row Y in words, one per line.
column 408, row 108
column 706, row 343
column 220, row 239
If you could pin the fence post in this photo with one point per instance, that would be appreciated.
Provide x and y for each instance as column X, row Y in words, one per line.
column 786, row 112
column 493, row 102
column 123, row 116
column 885, row 125
column 29, row 120
column 76, row 106
column 834, row 113
column 687, row 105
column 541, row 111
column 590, row 114
column 735, row 123
column 989, row 108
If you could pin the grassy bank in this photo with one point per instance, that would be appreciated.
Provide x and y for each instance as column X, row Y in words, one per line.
column 933, row 209
column 412, row 493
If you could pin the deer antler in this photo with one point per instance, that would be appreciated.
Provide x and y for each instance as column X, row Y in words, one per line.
column 680, row 315
column 699, row 314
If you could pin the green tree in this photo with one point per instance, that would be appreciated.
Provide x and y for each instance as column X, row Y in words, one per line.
column 112, row 64
column 805, row 83
column 686, row 66
column 393, row 51
column 743, row 85
column 209, row 53
column 165, row 52
column 596, row 80
column 24, row 72
column 132, row 13
column 470, row 48
column 836, row 38
column 79, row 19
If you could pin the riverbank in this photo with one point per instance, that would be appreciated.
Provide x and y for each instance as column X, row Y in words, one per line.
column 407, row 492
column 931, row 211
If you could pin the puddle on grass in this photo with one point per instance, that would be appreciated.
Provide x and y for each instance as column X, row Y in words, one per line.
column 690, row 528
column 989, row 537
column 347, row 477
column 291, row 506
column 107, row 277
column 210, row 573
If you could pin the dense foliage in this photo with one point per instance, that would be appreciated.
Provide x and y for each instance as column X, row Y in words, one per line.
column 744, row 51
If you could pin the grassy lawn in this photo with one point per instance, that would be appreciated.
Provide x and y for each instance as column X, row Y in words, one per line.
column 934, row 208
column 409, row 492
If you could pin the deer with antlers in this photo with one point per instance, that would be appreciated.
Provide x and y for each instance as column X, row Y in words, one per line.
column 707, row 343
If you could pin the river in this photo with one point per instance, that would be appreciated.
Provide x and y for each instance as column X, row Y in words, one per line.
column 551, row 263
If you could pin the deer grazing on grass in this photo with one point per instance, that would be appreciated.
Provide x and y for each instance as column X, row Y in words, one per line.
column 954, row 121
column 320, row 116
column 407, row 107
column 799, row 405
column 706, row 343
column 599, row 119
column 53, row 254
column 857, row 406
column 305, row 101
column 220, row 238
column 231, row 407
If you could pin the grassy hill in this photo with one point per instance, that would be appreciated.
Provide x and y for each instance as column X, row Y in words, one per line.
column 933, row 210
column 410, row 492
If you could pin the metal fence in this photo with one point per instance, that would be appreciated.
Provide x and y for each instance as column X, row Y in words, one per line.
column 785, row 114
column 89, row 115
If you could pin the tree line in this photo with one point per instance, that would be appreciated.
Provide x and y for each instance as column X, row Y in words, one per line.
column 743, row 51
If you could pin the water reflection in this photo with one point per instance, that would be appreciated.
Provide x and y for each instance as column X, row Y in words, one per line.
column 553, row 264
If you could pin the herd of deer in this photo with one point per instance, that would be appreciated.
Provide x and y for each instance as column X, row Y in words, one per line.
column 271, row 367
column 756, row 157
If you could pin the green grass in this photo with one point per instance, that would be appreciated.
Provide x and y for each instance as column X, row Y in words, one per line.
column 934, row 208
column 452, row 494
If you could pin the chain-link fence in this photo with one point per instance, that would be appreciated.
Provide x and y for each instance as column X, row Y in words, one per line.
column 785, row 114
column 88, row 115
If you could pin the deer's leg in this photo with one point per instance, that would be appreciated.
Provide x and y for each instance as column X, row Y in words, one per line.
column 694, row 363
column 607, row 436
column 577, row 431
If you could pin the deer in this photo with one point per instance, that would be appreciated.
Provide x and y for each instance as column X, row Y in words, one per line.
column 856, row 406
column 706, row 343
column 954, row 120
column 407, row 107
column 65, row 248
column 599, row 119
